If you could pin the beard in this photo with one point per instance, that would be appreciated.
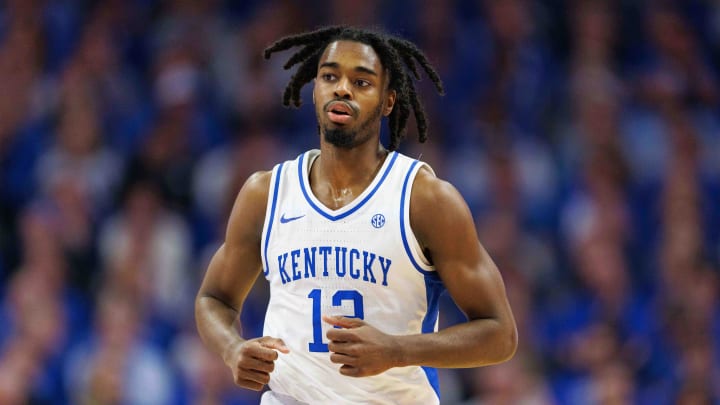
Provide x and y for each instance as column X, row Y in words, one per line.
column 346, row 138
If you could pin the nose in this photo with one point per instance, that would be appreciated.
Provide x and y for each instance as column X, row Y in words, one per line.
column 342, row 89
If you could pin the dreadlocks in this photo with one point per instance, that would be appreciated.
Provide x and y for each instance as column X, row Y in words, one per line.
column 395, row 54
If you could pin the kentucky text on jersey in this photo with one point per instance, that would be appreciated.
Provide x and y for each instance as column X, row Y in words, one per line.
column 318, row 261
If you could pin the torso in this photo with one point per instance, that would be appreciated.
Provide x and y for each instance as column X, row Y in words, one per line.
column 360, row 259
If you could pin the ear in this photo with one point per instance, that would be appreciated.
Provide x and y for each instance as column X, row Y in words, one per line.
column 313, row 92
column 389, row 102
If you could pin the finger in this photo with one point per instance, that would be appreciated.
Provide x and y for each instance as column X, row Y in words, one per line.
column 350, row 371
column 261, row 352
column 344, row 359
column 251, row 385
column 341, row 347
column 341, row 335
column 254, row 375
column 343, row 321
column 274, row 343
column 251, row 363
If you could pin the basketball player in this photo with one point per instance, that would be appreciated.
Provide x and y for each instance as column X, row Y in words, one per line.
column 357, row 242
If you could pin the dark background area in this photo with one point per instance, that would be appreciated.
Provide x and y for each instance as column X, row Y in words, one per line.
column 584, row 135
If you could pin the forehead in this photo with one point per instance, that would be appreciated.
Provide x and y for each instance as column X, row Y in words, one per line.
column 352, row 54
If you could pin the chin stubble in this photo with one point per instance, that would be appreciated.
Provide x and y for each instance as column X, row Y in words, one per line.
column 347, row 139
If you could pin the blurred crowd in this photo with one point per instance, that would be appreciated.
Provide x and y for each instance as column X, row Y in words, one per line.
column 585, row 136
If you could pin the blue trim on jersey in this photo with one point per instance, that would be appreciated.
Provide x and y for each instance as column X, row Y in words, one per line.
column 433, row 284
column 433, row 289
column 403, row 235
column 353, row 209
column 273, row 205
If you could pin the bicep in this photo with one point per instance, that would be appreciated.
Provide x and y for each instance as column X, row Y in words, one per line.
column 450, row 237
column 237, row 263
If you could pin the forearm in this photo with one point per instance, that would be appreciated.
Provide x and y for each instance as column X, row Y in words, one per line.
column 475, row 343
column 216, row 323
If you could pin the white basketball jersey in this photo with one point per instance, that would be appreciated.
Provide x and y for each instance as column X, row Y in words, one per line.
column 361, row 260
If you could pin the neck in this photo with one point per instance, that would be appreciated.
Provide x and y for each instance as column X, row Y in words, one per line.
column 339, row 175
column 346, row 168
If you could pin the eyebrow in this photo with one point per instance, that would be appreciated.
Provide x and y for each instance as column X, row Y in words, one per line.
column 361, row 69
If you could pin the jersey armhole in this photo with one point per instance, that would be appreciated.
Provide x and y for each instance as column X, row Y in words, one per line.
column 410, row 242
column 270, row 215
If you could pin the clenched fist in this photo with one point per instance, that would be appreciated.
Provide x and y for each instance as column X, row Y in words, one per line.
column 252, row 361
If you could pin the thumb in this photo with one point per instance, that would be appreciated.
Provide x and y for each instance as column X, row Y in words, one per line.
column 343, row 321
column 274, row 343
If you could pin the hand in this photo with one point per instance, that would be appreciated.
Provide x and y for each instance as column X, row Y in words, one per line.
column 252, row 361
column 360, row 348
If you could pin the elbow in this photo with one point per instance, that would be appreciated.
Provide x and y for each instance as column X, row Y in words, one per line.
column 507, row 337
column 508, row 343
column 496, row 344
column 200, row 303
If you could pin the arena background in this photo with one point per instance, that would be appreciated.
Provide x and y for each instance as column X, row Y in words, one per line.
column 585, row 135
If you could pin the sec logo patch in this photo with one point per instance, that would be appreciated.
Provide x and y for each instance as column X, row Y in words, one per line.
column 378, row 220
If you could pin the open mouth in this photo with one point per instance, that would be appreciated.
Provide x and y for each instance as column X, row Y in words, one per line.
column 340, row 108
column 339, row 112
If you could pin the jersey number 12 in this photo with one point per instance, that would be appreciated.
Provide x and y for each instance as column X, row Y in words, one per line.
column 317, row 344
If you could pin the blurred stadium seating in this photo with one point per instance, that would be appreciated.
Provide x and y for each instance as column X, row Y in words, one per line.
column 585, row 136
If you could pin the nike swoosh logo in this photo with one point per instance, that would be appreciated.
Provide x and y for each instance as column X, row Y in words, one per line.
column 284, row 220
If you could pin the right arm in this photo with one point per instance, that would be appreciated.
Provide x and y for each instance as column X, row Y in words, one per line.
column 231, row 274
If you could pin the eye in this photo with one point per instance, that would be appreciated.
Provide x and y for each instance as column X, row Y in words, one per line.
column 362, row 83
column 328, row 77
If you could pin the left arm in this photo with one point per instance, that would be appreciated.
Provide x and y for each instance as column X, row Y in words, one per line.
column 471, row 278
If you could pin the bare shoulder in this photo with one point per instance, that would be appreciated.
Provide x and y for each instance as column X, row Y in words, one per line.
column 437, row 209
column 258, row 184
column 433, row 194
column 248, row 212
column 256, row 189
